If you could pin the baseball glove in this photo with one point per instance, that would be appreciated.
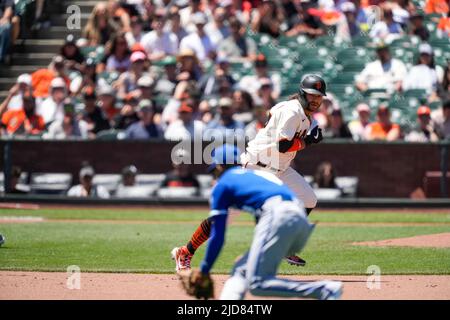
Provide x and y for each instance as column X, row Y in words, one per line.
column 197, row 284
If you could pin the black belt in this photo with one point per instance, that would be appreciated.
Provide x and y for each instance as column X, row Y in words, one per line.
column 259, row 163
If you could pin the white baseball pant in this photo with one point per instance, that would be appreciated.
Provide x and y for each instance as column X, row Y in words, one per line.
column 282, row 229
column 295, row 181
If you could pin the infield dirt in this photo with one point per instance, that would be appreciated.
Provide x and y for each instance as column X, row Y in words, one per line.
column 105, row 286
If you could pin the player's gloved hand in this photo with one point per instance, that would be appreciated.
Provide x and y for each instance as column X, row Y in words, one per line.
column 315, row 136
column 197, row 284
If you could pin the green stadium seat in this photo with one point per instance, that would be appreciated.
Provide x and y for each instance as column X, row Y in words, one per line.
column 108, row 135
column 434, row 105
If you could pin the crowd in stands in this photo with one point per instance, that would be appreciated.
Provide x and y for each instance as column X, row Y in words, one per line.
column 206, row 69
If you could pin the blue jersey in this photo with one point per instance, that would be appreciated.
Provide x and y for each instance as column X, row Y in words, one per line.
column 246, row 190
column 242, row 189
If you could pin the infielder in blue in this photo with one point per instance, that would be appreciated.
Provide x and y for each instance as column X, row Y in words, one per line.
column 282, row 229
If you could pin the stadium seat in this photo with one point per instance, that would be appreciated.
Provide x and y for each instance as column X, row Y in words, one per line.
column 21, row 185
column 327, row 193
column 150, row 179
column 179, row 192
column 111, row 134
column 50, row 183
column 136, row 191
column 205, row 180
column 108, row 181
column 348, row 185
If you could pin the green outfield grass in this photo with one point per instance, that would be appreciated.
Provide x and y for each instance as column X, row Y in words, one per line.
column 144, row 246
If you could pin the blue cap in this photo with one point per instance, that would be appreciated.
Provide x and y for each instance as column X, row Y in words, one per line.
column 225, row 154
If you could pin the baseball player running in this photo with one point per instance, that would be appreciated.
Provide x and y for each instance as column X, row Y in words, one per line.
column 289, row 129
column 282, row 229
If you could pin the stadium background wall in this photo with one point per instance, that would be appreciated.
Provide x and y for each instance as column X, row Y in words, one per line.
column 384, row 169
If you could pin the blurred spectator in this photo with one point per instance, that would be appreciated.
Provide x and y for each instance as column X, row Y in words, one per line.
column 209, row 84
column 268, row 18
column 168, row 80
column 199, row 41
column 135, row 35
column 386, row 29
column 72, row 54
column 441, row 120
column 261, row 118
column 265, row 94
column 180, row 176
column 423, row 75
column 52, row 108
column 42, row 78
column 145, row 128
column 205, row 114
column 187, row 14
column 129, row 176
column 6, row 15
column 189, row 66
column 444, row 88
column 13, row 100
column 24, row 121
column 86, row 188
column 252, row 83
column 223, row 126
column 86, row 77
column 159, row 43
column 175, row 26
column 417, row 26
column 386, row 72
column 217, row 29
column 125, row 187
column 128, row 114
column 337, row 128
column 322, row 116
column 383, row 129
column 185, row 128
column 425, row 131
column 306, row 23
column 93, row 114
column 436, row 6
column 443, row 27
column 243, row 103
column 325, row 176
column 348, row 27
column 127, row 81
column 237, row 47
column 107, row 102
column 145, row 88
column 100, row 26
column 118, row 54
column 119, row 10
column 358, row 127
column 69, row 127
column 15, row 187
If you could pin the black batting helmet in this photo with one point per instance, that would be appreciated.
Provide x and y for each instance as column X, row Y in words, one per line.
column 313, row 84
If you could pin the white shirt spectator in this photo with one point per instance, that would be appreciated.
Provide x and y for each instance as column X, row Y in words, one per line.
column 177, row 130
column 167, row 43
column 16, row 102
column 50, row 110
column 375, row 75
column 56, row 130
column 215, row 34
column 421, row 77
column 201, row 46
column 251, row 84
column 96, row 191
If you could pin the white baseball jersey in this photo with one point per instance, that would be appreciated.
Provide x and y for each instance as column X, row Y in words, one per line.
column 287, row 120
